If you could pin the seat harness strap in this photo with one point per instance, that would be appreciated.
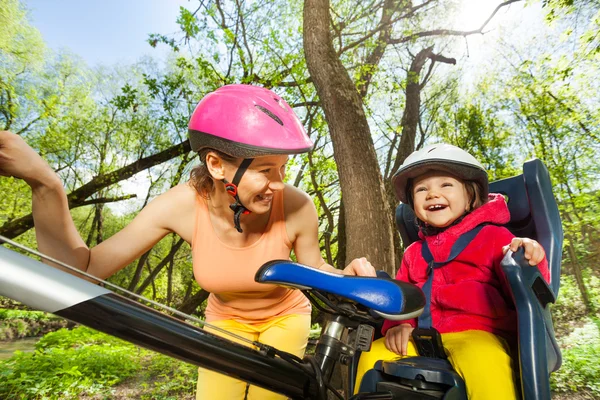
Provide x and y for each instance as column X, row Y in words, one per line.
column 426, row 338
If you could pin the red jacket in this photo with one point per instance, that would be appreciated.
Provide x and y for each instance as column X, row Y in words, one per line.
column 471, row 291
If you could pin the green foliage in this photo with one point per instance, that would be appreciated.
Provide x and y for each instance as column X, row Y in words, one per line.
column 27, row 315
column 167, row 378
column 19, row 41
column 478, row 131
column 569, row 306
column 580, row 371
column 16, row 324
column 70, row 363
column 187, row 22
column 74, row 338
column 21, row 52
column 127, row 99
column 67, row 364
column 315, row 331
column 154, row 39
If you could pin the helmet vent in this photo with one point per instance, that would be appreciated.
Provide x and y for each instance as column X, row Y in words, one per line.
column 270, row 114
column 432, row 149
column 280, row 103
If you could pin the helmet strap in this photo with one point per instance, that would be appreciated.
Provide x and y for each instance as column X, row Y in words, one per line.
column 232, row 188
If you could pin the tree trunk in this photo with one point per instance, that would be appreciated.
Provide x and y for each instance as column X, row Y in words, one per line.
column 340, row 260
column 138, row 271
column 153, row 273
column 368, row 227
column 579, row 277
column 193, row 303
column 100, row 223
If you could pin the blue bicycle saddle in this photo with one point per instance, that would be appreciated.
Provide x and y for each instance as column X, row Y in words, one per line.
column 387, row 297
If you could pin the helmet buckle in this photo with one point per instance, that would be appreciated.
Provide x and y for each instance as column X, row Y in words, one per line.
column 231, row 189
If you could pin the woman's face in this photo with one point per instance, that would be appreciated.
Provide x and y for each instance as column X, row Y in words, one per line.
column 261, row 180
column 439, row 198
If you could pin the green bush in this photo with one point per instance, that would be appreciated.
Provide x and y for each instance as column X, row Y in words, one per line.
column 80, row 336
column 580, row 371
column 569, row 306
column 23, row 323
column 171, row 378
column 70, row 363
column 66, row 364
column 6, row 314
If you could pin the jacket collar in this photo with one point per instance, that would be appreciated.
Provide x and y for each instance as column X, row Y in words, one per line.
column 495, row 211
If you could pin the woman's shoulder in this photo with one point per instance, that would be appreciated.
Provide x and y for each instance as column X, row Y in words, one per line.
column 178, row 196
column 300, row 212
column 175, row 209
column 296, row 200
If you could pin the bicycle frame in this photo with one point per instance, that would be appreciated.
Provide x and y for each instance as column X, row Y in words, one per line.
column 46, row 288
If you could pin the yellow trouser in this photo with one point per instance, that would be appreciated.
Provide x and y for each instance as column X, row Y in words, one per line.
column 482, row 360
column 288, row 333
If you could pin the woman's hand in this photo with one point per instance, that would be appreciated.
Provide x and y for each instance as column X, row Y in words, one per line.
column 18, row 159
column 360, row 267
column 534, row 252
column 396, row 338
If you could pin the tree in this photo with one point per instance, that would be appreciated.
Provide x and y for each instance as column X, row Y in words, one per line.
column 366, row 204
column 21, row 51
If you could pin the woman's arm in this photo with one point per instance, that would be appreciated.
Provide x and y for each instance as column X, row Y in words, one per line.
column 55, row 230
column 172, row 211
column 56, row 233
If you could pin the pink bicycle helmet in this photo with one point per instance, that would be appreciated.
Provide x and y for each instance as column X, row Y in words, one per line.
column 246, row 121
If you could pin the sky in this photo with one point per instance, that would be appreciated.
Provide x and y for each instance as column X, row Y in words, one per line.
column 112, row 32
column 105, row 32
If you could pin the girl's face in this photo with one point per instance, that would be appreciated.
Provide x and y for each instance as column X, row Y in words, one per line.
column 261, row 180
column 439, row 198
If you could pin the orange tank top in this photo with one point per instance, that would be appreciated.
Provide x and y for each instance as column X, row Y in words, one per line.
column 228, row 272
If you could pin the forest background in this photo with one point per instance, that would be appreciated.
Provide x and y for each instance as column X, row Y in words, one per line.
column 371, row 80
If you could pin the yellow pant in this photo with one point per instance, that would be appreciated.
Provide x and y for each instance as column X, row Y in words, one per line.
column 482, row 360
column 288, row 333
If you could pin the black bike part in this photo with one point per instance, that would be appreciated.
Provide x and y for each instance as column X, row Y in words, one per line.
column 429, row 343
column 364, row 337
column 356, row 313
column 141, row 325
column 373, row 396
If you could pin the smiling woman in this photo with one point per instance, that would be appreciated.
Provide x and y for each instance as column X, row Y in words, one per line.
column 237, row 217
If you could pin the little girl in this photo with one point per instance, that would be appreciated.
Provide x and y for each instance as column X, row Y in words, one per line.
column 470, row 303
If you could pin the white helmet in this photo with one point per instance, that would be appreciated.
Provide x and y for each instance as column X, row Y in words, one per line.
column 445, row 157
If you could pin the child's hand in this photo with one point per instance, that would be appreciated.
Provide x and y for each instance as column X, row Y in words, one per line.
column 396, row 338
column 534, row 252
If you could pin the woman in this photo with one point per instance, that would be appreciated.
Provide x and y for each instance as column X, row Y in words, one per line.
column 236, row 212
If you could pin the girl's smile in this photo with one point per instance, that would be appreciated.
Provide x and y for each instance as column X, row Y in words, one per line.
column 439, row 198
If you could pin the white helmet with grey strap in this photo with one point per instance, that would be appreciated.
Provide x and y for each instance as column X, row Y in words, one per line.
column 439, row 157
